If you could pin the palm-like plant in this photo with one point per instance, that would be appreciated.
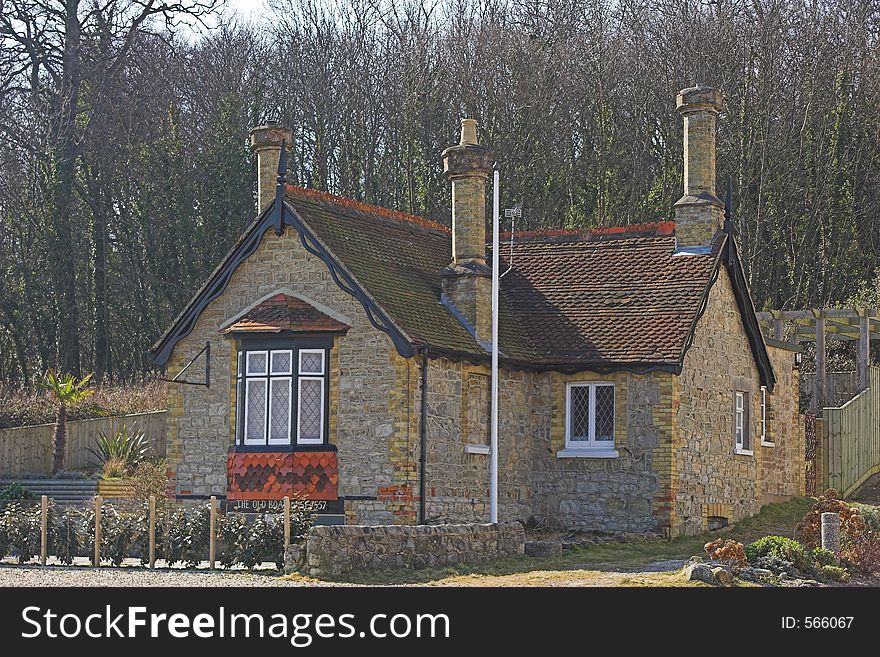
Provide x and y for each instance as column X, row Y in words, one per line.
column 68, row 391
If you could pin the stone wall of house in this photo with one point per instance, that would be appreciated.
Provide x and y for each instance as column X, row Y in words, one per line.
column 366, row 402
column 457, row 482
column 607, row 494
column 711, row 480
column 332, row 551
column 782, row 458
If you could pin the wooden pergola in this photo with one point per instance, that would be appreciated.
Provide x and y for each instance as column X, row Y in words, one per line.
column 819, row 325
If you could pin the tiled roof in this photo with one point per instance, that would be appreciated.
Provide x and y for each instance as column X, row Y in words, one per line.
column 285, row 313
column 607, row 297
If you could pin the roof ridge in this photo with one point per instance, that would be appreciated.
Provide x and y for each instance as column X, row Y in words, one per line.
column 385, row 213
column 652, row 229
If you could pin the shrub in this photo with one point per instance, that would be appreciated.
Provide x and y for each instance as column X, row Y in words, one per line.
column 859, row 544
column 780, row 547
column 119, row 533
column 113, row 468
column 16, row 492
column 871, row 515
column 774, row 564
column 862, row 551
column 831, row 573
column 187, row 537
column 22, row 528
column 809, row 530
column 823, row 557
column 250, row 544
column 726, row 550
column 65, row 534
column 126, row 448
column 150, row 478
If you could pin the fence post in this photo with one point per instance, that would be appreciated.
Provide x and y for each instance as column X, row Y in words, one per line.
column 286, row 521
column 212, row 525
column 831, row 532
column 99, row 503
column 152, row 531
column 44, row 529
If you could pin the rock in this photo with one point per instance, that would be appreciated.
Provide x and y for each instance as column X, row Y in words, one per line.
column 762, row 572
column 693, row 560
column 700, row 573
column 543, row 548
column 723, row 576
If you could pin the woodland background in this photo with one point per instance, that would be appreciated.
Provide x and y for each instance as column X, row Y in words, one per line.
column 125, row 173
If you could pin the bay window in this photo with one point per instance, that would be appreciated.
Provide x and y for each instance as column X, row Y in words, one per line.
column 282, row 391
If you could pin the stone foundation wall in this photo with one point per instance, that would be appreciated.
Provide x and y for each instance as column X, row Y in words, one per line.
column 712, row 480
column 783, row 468
column 332, row 551
column 606, row 494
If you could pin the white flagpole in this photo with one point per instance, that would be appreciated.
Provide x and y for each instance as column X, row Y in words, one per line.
column 493, row 443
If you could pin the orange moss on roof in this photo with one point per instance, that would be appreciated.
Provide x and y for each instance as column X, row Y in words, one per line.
column 385, row 213
column 654, row 229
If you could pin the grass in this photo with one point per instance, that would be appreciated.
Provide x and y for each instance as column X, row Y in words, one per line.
column 595, row 564
column 22, row 407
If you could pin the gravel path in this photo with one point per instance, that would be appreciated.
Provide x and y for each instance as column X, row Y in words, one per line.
column 75, row 576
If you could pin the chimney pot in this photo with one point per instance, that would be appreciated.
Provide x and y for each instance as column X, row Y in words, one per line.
column 468, row 131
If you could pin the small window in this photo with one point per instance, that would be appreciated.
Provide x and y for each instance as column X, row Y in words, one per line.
column 765, row 438
column 589, row 416
column 743, row 441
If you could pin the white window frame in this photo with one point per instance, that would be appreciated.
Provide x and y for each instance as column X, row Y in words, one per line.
column 764, row 440
column 289, row 381
column 247, row 365
column 321, row 353
column 289, row 370
column 299, row 439
column 247, row 385
column 590, row 448
column 741, row 423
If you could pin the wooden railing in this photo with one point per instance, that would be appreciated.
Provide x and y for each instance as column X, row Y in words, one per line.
column 28, row 450
column 850, row 439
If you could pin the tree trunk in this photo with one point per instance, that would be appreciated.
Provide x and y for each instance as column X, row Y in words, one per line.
column 64, row 175
column 102, row 342
column 60, row 439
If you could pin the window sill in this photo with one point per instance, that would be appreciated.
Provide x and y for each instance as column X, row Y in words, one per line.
column 765, row 443
column 476, row 449
column 592, row 453
column 744, row 452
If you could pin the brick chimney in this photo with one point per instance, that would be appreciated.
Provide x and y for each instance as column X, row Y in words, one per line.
column 699, row 214
column 266, row 143
column 467, row 279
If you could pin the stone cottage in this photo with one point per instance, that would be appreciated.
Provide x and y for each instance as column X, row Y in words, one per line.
column 345, row 348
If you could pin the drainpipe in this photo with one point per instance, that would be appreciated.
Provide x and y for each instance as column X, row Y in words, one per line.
column 423, row 436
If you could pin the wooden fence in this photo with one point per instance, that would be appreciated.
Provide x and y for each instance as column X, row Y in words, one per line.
column 850, row 440
column 28, row 450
